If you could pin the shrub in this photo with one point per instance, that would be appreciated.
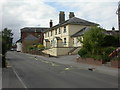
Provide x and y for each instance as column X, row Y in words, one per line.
column 116, row 57
column 105, row 58
column 108, row 50
column 40, row 46
column 96, row 57
column 109, row 40
column 93, row 38
column 30, row 47
column 82, row 52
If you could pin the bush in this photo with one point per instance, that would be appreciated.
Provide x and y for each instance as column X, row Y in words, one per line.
column 116, row 57
column 82, row 52
column 96, row 57
column 109, row 40
column 40, row 46
column 108, row 50
column 30, row 47
column 106, row 58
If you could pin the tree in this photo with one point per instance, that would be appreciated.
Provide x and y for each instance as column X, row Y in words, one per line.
column 110, row 40
column 6, row 44
column 93, row 39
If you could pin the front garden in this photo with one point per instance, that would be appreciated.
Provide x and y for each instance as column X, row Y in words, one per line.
column 99, row 48
column 35, row 49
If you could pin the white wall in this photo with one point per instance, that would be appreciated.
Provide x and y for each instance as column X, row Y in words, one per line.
column 19, row 46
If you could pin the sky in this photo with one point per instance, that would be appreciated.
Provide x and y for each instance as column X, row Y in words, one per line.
column 17, row 14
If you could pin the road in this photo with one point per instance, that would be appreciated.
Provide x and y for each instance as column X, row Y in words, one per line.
column 37, row 73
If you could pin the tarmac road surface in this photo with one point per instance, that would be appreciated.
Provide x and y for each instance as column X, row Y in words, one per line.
column 32, row 72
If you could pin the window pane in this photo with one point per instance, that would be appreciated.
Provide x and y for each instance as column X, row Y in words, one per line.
column 64, row 29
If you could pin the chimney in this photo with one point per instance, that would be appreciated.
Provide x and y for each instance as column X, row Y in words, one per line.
column 113, row 29
column 61, row 17
column 51, row 23
column 71, row 14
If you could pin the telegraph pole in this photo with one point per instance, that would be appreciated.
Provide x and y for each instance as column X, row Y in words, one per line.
column 118, row 12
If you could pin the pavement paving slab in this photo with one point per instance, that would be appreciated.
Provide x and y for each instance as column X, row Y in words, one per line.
column 9, row 79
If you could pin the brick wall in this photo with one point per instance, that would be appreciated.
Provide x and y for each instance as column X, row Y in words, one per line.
column 25, row 34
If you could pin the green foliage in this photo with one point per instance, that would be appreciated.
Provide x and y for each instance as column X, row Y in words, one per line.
column 96, row 57
column 93, row 38
column 80, row 39
column 39, row 46
column 116, row 58
column 7, row 38
column 98, row 45
column 109, row 40
column 30, row 47
column 105, row 58
column 117, row 37
column 82, row 52
column 35, row 47
column 108, row 50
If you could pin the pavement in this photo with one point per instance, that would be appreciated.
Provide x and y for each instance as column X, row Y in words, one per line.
column 71, row 60
column 10, row 78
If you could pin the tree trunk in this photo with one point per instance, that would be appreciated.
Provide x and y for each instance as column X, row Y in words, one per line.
column 3, row 61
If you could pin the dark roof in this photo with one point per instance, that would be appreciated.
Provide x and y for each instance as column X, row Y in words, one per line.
column 20, row 40
column 81, row 32
column 31, row 37
column 74, row 20
column 33, row 29
column 112, row 32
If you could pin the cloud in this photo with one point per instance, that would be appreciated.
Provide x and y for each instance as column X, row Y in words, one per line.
column 16, row 14
column 103, row 13
column 81, row 0
column 19, row 14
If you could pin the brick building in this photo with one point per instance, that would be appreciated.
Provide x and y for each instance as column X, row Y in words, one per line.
column 31, row 35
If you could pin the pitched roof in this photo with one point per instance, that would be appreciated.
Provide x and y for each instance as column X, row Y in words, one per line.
column 80, row 32
column 73, row 20
column 110, row 32
column 31, row 37
column 83, row 30
column 34, row 29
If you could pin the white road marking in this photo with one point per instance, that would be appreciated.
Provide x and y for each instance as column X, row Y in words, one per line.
column 19, row 78
column 67, row 68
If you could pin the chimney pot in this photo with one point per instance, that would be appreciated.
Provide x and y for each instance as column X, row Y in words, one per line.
column 113, row 28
